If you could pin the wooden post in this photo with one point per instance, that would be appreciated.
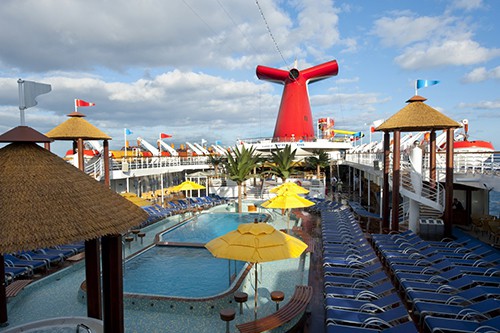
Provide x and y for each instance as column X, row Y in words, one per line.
column 385, row 185
column 93, row 278
column 396, row 161
column 106, row 162
column 92, row 260
column 432, row 159
column 3, row 296
column 112, row 283
column 448, row 212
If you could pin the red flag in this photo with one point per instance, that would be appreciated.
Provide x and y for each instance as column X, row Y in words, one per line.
column 165, row 136
column 372, row 129
column 81, row 102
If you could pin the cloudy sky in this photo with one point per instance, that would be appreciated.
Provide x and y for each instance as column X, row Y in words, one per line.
column 187, row 67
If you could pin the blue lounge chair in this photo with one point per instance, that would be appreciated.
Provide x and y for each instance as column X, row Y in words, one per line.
column 474, row 294
column 357, row 272
column 66, row 253
column 50, row 259
column 360, row 293
column 382, row 320
column 77, row 247
column 375, row 305
column 483, row 308
column 435, row 324
column 18, row 262
column 14, row 272
column 369, row 280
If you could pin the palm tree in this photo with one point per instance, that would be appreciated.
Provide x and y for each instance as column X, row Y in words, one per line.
column 215, row 160
column 239, row 167
column 282, row 164
column 318, row 162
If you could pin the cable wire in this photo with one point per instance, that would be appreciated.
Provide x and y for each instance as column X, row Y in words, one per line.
column 271, row 34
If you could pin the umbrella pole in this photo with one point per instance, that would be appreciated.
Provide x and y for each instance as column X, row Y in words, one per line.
column 256, row 292
column 288, row 223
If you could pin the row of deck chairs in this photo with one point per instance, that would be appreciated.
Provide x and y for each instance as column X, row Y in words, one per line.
column 451, row 286
column 359, row 296
column 25, row 263
column 180, row 206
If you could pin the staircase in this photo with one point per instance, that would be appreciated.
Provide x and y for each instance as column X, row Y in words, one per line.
column 415, row 187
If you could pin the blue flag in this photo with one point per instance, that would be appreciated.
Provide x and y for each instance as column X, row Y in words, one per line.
column 127, row 131
column 425, row 83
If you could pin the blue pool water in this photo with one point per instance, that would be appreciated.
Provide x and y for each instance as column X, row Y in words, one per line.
column 205, row 227
column 178, row 272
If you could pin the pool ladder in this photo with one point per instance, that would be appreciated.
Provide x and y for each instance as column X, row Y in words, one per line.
column 83, row 326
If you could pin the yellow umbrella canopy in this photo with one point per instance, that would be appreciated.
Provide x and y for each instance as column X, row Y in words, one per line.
column 289, row 186
column 132, row 197
column 188, row 185
column 256, row 242
column 287, row 199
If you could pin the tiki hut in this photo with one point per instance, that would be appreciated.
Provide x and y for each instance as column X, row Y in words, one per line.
column 45, row 201
column 76, row 128
column 416, row 116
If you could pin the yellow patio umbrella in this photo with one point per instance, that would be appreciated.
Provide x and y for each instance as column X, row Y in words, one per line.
column 289, row 186
column 187, row 185
column 256, row 243
column 136, row 200
column 287, row 200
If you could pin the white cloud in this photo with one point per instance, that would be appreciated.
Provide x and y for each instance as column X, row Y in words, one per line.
column 431, row 41
column 449, row 52
column 405, row 30
column 347, row 80
column 482, row 105
column 481, row 74
column 467, row 4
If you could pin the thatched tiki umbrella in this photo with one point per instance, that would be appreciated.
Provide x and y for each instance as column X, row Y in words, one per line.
column 416, row 116
column 45, row 201
column 77, row 129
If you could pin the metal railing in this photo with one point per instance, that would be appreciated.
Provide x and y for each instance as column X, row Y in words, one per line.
column 463, row 162
column 421, row 186
column 96, row 168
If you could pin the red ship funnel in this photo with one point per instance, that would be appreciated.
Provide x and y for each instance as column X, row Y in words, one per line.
column 295, row 120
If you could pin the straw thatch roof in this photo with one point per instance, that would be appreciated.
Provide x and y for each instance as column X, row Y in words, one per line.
column 76, row 127
column 417, row 116
column 44, row 201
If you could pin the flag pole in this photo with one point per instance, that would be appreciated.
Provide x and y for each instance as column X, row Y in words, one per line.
column 125, row 137
column 416, row 88
column 76, row 107
column 159, row 145
column 22, row 106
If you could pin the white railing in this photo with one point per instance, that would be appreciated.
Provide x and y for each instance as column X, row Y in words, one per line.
column 96, row 169
column 466, row 162
column 421, row 186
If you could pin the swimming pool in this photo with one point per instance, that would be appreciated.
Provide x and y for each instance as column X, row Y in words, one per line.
column 187, row 271
column 177, row 271
column 205, row 227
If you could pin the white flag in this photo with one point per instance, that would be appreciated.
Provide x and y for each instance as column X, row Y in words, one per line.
column 29, row 90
